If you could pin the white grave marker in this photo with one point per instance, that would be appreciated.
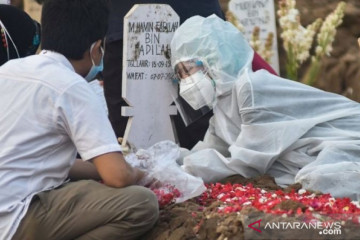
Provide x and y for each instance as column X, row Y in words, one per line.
column 147, row 73
column 257, row 13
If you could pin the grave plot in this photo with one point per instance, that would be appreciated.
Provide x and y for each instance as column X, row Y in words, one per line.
column 239, row 208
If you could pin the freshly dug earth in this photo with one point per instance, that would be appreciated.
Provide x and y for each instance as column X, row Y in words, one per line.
column 190, row 220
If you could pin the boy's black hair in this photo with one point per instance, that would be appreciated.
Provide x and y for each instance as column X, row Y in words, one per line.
column 70, row 27
column 20, row 32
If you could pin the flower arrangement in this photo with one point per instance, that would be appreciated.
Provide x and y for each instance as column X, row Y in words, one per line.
column 298, row 40
column 255, row 39
column 325, row 38
column 265, row 50
column 235, row 197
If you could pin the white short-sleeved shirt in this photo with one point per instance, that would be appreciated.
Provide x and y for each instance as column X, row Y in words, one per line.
column 48, row 113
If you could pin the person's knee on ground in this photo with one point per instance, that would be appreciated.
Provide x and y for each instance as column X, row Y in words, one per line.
column 145, row 208
column 90, row 210
column 133, row 211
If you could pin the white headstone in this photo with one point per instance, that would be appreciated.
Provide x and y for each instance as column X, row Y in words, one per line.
column 257, row 13
column 5, row 2
column 147, row 74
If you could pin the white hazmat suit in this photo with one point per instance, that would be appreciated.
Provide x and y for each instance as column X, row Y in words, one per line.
column 264, row 124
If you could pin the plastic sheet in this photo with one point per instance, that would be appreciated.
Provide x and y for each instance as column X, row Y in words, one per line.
column 159, row 162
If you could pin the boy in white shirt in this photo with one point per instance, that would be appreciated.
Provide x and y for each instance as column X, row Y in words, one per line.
column 48, row 114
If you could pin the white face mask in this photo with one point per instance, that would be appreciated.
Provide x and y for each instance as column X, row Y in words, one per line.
column 198, row 90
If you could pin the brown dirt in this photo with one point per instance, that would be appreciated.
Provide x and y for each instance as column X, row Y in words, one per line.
column 190, row 221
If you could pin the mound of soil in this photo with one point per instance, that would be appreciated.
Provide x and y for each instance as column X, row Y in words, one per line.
column 191, row 220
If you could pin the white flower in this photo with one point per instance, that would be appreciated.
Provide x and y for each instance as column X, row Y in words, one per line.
column 293, row 15
column 327, row 32
column 301, row 191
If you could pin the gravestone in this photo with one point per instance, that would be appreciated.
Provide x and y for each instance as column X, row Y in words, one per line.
column 257, row 13
column 147, row 74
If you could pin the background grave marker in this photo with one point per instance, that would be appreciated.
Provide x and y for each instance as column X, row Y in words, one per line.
column 260, row 13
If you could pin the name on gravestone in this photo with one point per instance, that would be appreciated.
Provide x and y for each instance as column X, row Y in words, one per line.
column 147, row 74
column 258, row 13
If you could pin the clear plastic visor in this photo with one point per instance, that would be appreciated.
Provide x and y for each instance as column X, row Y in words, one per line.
column 185, row 75
column 183, row 70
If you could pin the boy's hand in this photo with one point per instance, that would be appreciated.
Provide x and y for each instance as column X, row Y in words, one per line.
column 146, row 180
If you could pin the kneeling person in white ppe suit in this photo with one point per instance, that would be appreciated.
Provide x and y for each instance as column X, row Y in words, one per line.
column 263, row 124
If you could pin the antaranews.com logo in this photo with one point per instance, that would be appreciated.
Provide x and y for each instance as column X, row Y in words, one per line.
column 313, row 229
column 324, row 228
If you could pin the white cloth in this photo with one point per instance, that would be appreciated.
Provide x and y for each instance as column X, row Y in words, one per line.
column 270, row 125
column 48, row 113
column 99, row 90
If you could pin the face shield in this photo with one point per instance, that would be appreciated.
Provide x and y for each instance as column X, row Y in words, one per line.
column 196, row 90
column 226, row 55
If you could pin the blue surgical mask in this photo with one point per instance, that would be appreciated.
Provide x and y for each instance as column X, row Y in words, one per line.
column 94, row 70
